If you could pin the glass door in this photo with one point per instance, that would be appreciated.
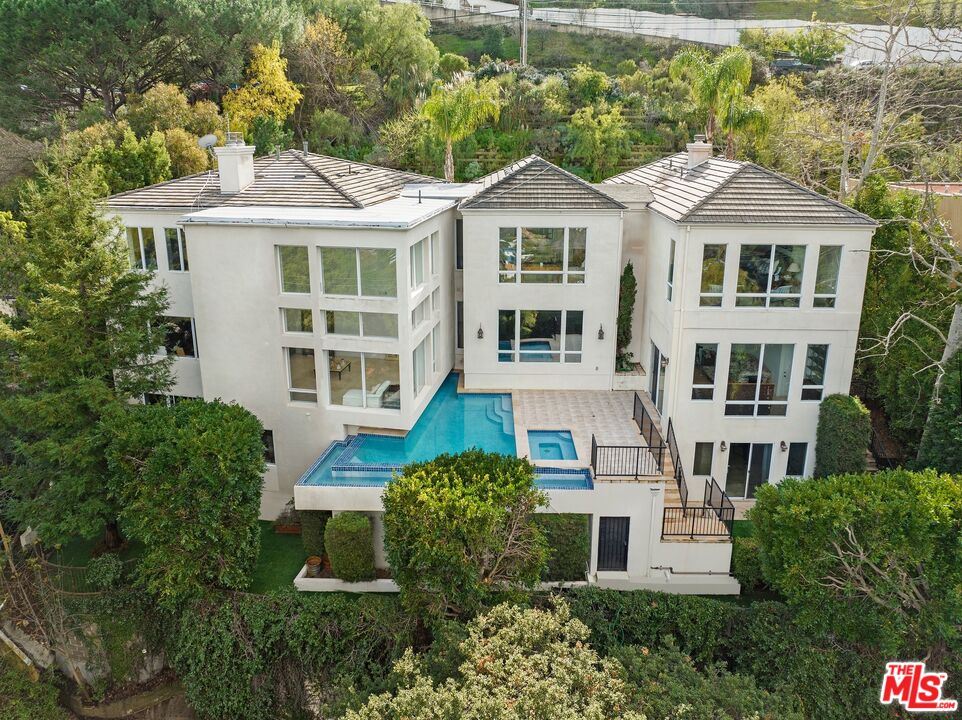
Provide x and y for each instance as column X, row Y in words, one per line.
column 749, row 465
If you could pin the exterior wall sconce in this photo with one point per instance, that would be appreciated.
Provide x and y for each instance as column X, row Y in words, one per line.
column 480, row 333
column 724, row 446
column 783, row 446
column 664, row 362
column 601, row 332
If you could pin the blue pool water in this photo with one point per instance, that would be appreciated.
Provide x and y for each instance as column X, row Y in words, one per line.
column 551, row 445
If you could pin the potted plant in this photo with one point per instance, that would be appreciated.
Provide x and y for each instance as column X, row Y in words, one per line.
column 313, row 566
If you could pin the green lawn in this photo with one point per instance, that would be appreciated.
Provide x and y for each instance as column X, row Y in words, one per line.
column 280, row 560
column 743, row 528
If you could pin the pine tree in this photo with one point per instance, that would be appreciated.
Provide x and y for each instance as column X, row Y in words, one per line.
column 82, row 340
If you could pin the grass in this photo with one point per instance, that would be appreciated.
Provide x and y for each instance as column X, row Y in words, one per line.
column 743, row 528
column 77, row 552
column 280, row 560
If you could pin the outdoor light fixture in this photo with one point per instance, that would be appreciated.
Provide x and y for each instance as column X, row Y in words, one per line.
column 601, row 332
column 664, row 362
column 783, row 445
column 480, row 333
column 724, row 446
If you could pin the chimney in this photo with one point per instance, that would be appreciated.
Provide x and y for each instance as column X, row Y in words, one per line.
column 235, row 164
column 698, row 151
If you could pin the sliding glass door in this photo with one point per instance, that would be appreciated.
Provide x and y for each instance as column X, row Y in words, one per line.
column 749, row 465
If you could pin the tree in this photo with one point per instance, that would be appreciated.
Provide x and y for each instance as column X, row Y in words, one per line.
column 627, row 289
column 941, row 446
column 869, row 558
column 132, row 163
column 455, row 111
column 816, row 44
column 458, row 531
column 83, row 342
column 452, row 64
column 739, row 114
column 163, row 107
column 266, row 91
column 599, row 138
column 588, row 85
column 327, row 68
column 843, row 435
column 267, row 135
column 518, row 663
column 186, row 156
column 397, row 47
column 712, row 79
column 188, row 479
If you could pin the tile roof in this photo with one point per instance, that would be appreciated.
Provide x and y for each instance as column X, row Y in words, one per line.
column 534, row 183
column 295, row 179
column 721, row 191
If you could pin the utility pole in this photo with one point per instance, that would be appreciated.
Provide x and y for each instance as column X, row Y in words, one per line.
column 524, row 32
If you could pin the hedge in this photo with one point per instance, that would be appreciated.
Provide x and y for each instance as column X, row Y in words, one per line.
column 312, row 531
column 349, row 540
column 569, row 545
column 747, row 564
column 843, row 436
column 941, row 446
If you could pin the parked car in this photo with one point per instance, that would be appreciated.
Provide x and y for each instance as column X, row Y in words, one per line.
column 783, row 66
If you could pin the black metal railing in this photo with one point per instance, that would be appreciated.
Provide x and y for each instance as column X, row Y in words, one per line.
column 646, row 425
column 679, row 471
column 718, row 500
column 692, row 522
column 626, row 461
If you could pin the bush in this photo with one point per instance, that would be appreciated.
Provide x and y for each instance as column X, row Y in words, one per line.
column 843, row 435
column 941, row 446
column 569, row 545
column 313, row 523
column 23, row 699
column 105, row 572
column 747, row 564
column 349, row 540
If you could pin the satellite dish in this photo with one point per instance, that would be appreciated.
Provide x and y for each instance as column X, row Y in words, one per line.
column 207, row 141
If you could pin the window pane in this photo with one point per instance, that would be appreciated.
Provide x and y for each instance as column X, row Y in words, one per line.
column 303, row 375
column 776, row 373
column 180, row 337
column 417, row 264
column 574, row 322
column 787, row 273
column 380, row 324
column 507, row 252
column 713, row 273
column 671, row 268
column 435, row 347
column 378, row 272
column 459, row 244
column 527, row 277
column 796, row 459
column 295, row 275
column 420, row 313
column 743, row 372
column 539, row 335
column 344, row 370
column 815, row 365
column 703, row 454
column 826, row 277
column 459, row 325
column 383, row 378
column 183, row 254
column 704, row 371
column 435, row 253
column 298, row 320
column 753, row 266
column 150, row 252
column 174, row 261
column 343, row 323
column 506, row 335
column 542, row 249
column 577, row 238
column 133, row 249
column 339, row 271
column 760, row 466
column 267, row 437
column 420, row 362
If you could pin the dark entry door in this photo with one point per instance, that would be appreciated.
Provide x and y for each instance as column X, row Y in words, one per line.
column 613, row 544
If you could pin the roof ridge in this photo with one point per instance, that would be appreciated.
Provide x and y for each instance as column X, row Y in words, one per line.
column 346, row 195
column 364, row 164
column 727, row 181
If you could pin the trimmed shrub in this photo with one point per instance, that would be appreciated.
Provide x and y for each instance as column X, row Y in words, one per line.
column 569, row 545
column 941, row 446
column 349, row 540
column 747, row 564
column 313, row 523
column 844, row 432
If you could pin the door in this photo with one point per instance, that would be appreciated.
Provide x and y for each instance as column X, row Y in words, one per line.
column 749, row 465
column 613, row 544
column 659, row 367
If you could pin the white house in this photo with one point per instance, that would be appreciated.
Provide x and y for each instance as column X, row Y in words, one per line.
column 747, row 311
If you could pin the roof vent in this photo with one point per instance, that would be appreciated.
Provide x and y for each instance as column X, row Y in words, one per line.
column 698, row 151
column 299, row 176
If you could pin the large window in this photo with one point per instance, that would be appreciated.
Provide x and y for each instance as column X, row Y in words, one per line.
column 703, row 377
column 364, row 380
column 420, row 366
column 366, row 272
column 826, row 276
column 540, row 335
column 758, row 379
column 770, row 275
column 542, row 255
column 301, row 375
column 813, row 382
column 294, row 270
column 348, row 322
column 417, row 263
column 297, row 320
column 712, row 275
column 180, row 337
column 671, row 269
column 140, row 245
column 176, row 250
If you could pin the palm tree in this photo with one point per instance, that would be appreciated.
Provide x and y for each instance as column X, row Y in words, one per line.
column 457, row 109
column 712, row 79
column 737, row 114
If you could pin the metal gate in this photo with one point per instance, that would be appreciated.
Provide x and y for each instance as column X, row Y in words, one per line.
column 613, row 544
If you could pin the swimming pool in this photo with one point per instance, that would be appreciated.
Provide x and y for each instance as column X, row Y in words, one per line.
column 551, row 445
